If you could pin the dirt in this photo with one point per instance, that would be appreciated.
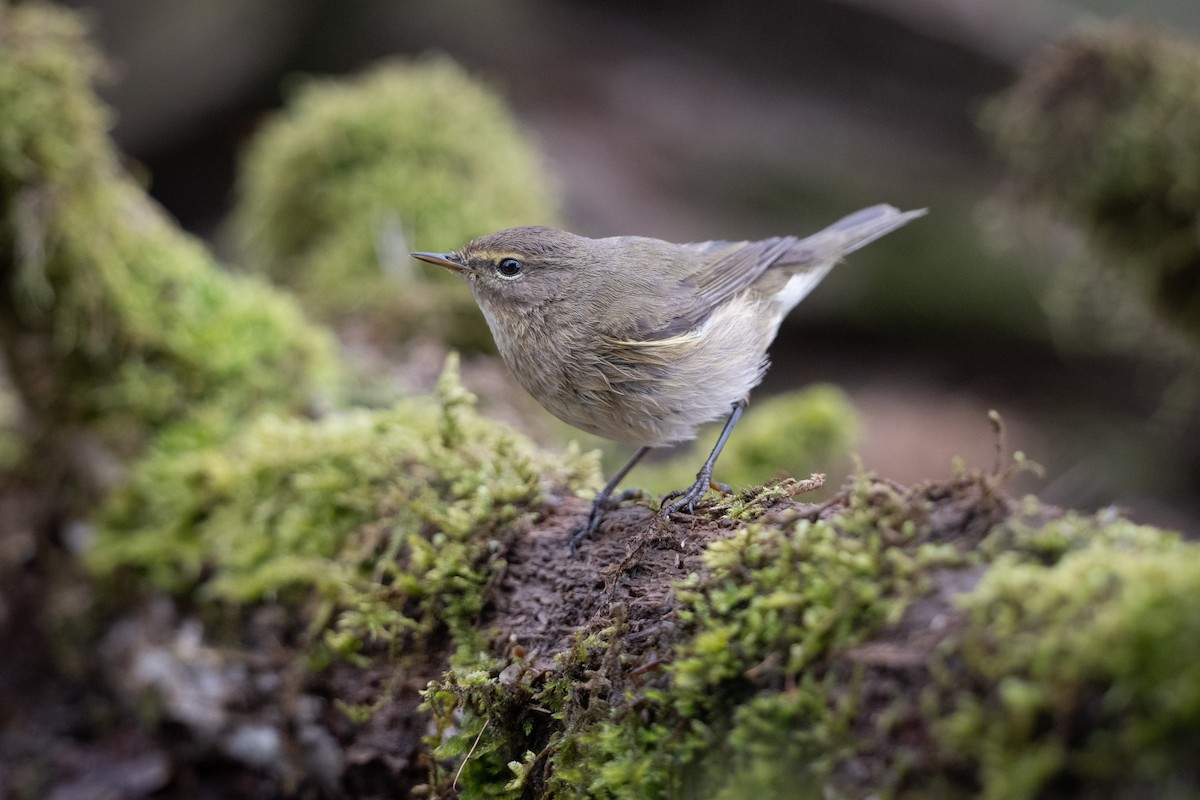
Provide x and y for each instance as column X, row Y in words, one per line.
column 549, row 596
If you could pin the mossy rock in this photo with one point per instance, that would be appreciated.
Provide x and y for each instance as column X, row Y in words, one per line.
column 1104, row 129
column 337, row 189
column 114, row 322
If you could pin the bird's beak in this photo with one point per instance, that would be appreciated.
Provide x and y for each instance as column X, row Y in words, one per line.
column 447, row 260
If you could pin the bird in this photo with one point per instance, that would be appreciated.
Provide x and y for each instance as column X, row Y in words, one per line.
column 643, row 341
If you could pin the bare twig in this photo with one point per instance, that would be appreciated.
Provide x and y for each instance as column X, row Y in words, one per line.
column 471, row 752
column 1001, row 442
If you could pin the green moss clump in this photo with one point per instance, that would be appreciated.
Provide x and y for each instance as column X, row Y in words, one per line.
column 52, row 126
column 752, row 700
column 864, row 655
column 1081, row 667
column 1105, row 128
column 383, row 520
column 339, row 188
column 749, row 697
column 794, row 433
column 113, row 320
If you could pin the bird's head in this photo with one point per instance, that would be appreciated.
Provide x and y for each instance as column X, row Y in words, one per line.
column 518, row 267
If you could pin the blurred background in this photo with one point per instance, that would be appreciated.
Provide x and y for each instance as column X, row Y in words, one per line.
column 710, row 119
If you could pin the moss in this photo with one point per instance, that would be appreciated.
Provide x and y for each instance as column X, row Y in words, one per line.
column 1080, row 667
column 794, row 433
column 833, row 658
column 1105, row 128
column 1047, row 542
column 379, row 527
column 506, row 765
column 750, row 504
column 52, row 125
column 747, row 698
column 113, row 320
column 339, row 188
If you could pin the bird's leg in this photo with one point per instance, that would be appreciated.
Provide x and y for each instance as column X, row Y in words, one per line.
column 603, row 501
column 687, row 497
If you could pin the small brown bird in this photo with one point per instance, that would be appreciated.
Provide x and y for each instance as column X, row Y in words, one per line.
column 641, row 340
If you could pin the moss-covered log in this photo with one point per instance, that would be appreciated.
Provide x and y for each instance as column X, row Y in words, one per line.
column 116, row 326
column 940, row 640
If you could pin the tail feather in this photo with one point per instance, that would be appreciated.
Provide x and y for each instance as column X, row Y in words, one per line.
column 811, row 258
column 852, row 232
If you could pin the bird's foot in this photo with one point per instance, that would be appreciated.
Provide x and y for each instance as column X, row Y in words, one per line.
column 601, row 504
column 588, row 529
column 687, row 498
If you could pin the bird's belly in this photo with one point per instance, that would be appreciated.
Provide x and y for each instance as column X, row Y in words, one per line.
column 656, row 393
column 580, row 395
column 636, row 419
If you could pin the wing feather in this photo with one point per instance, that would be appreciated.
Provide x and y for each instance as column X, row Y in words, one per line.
column 722, row 270
column 717, row 270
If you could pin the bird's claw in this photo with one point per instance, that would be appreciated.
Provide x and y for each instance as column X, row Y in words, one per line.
column 588, row 529
column 601, row 504
column 690, row 496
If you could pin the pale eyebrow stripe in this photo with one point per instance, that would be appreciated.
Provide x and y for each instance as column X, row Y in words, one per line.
column 498, row 255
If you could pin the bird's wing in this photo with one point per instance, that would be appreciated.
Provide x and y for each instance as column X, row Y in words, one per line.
column 729, row 267
column 720, row 270
column 709, row 273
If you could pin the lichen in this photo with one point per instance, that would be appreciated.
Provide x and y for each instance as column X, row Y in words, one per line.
column 338, row 188
column 114, row 321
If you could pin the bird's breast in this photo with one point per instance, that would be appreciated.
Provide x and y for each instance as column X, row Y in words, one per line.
column 642, row 392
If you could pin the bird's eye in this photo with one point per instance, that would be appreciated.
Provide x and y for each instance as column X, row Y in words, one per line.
column 509, row 267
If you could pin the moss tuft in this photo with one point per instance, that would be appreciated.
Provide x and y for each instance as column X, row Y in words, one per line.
column 114, row 321
column 1080, row 666
column 339, row 188
column 384, row 522
column 51, row 126
column 750, row 504
column 1105, row 128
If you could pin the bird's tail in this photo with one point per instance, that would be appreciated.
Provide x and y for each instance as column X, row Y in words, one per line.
column 810, row 259
column 855, row 231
